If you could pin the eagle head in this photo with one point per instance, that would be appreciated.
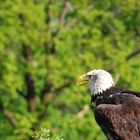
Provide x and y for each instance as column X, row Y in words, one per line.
column 98, row 81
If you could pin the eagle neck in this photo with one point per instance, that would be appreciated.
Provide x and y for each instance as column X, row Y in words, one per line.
column 101, row 98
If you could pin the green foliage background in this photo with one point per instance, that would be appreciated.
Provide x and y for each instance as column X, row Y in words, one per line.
column 45, row 45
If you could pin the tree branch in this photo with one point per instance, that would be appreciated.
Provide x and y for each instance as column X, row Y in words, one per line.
column 10, row 117
column 71, row 23
column 133, row 54
column 30, row 92
column 29, row 82
column 8, row 114
column 112, row 66
column 67, row 7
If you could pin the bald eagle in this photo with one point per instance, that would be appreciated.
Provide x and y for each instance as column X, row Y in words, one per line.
column 117, row 111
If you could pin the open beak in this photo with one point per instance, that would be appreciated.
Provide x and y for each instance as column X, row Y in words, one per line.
column 82, row 80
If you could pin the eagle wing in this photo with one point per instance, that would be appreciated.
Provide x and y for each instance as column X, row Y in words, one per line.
column 120, row 120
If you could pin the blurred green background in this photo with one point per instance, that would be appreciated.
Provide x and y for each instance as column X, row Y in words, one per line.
column 45, row 45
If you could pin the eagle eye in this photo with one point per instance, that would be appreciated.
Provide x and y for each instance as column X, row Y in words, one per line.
column 89, row 76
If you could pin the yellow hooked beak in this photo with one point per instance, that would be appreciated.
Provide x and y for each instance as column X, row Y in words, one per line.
column 82, row 80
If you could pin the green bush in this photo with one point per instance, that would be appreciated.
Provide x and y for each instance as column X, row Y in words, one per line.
column 46, row 134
